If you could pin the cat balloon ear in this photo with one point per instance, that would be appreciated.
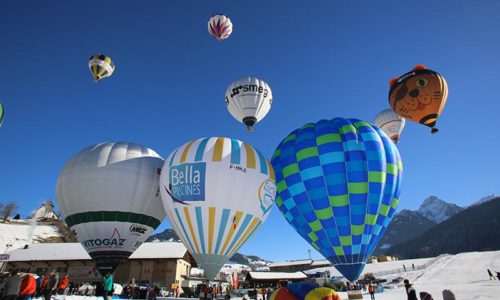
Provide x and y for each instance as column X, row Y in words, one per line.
column 419, row 67
column 393, row 81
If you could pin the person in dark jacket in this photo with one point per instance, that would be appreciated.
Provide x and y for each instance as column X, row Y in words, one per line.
column 410, row 291
column 12, row 287
column 425, row 296
column 39, row 281
column 51, row 286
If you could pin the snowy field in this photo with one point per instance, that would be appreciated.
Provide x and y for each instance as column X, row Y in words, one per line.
column 464, row 274
column 19, row 234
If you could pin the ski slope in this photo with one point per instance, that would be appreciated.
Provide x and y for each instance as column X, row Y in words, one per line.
column 464, row 274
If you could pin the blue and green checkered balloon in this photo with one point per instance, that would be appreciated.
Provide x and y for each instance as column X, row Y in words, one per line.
column 339, row 182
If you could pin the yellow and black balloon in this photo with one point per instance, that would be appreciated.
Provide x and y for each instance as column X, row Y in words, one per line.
column 419, row 95
column 101, row 66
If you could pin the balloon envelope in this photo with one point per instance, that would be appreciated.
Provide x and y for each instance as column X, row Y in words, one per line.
column 109, row 196
column 249, row 100
column 391, row 124
column 282, row 294
column 1, row 114
column 220, row 27
column 338, row 186
column 217, row 192
column 419, row 95
column 101, row 66
column 322, row 293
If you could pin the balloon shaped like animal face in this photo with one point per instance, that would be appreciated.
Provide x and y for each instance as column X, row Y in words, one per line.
column 419, row 95
column 338, row 185
column 109, row 196
column 217, row 193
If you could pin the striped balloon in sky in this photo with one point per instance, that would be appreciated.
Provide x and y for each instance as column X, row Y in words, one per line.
column 338, row 185
column 220, row 27
column 217, row 193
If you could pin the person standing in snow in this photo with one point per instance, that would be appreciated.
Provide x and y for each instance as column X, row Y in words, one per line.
column 498, row 275
column 410, row 290
column 425, row 296
column 107, row 284
column 491, row 275
column 11, row 287
column 51, row 286
column 63, row 284
column 28, row 287
column 371, row 290
column 448, row 295
column 39, row 289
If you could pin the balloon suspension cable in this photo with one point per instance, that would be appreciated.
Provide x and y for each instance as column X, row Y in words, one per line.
column 434, row 130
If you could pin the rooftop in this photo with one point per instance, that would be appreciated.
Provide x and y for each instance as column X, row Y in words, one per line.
column 277, row 275
column 75, row 251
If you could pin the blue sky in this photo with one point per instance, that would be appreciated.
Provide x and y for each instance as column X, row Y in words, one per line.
column 322, row 59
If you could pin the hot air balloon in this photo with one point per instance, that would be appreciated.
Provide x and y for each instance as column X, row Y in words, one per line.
column 109, row 196
column 217, row 193
column 220, row 27
column 419, row 95
column 391, row 123
column 249, row 100
column 101, row 66
column 338, row 185
column 1, row 114
column 282, row 294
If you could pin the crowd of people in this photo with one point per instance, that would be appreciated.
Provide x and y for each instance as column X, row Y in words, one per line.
column 24, row 286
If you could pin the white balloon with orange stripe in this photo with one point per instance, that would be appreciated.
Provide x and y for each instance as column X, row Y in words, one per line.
column 217, row 192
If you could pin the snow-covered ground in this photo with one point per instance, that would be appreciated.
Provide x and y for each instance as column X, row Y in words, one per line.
column 18, row 234
column 464, row 274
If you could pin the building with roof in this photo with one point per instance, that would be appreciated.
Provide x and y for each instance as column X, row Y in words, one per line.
column 164, row 263
column 298, row 265
column 271, row 279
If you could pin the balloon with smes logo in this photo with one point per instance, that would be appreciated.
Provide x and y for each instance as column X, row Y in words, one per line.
column 391, row 124
column 109, row 196
column 249, row 100
column 217, row 192
column 339, row 183
column 419, row 95
column 101, row 66
column 220, row 27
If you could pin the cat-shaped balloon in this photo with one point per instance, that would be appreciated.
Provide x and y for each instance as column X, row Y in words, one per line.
column 419, row 95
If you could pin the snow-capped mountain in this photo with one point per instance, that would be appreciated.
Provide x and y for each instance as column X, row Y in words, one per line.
column 438, row 210
column 485, row 199
column 406, row 225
